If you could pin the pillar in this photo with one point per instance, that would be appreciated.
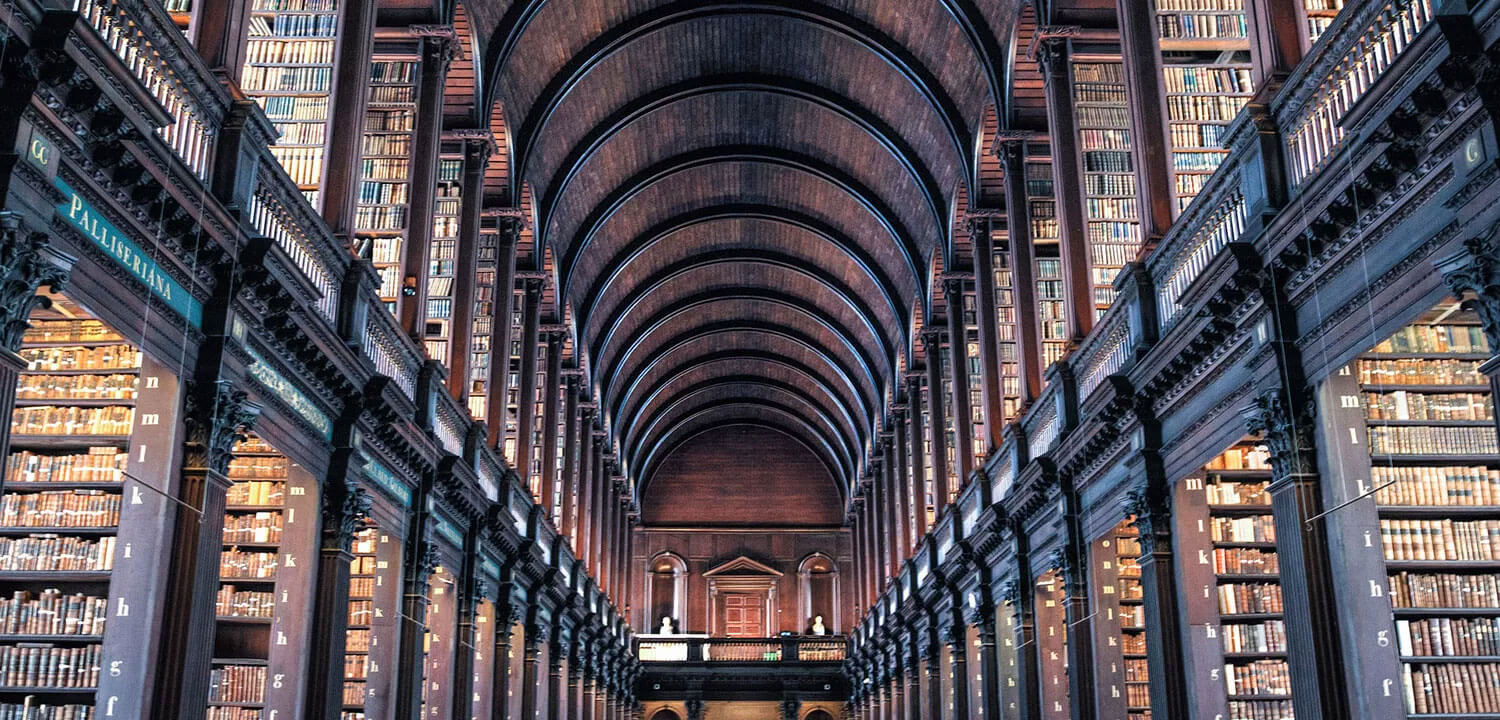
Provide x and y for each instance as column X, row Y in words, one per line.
column 550, row 391
column 958, row 371
column 1067, row 174
column 466, row 264
column 500, row 328
column 918, row 477
column 932, row 342
column 425, row 142
column 531, row 321
column 992, row 394
column 1029, row 365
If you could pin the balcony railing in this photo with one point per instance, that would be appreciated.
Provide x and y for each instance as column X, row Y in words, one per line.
column 741, row 650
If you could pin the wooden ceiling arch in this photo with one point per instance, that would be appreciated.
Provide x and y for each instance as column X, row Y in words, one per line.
column 686, row 433
column 743, row 199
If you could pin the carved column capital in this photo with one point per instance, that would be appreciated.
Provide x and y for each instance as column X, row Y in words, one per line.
column 27, row 262
column 1284, row 418
column 1474, row 277
column 216, row 418
column 344, row 506
column 1152, row 510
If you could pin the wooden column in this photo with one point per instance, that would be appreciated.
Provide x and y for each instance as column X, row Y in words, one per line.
column 981, row 231
column 932, row 342
column 468, row 587
column 1151, row 149
column 889, row 487
column 575, row 680
column 895, row 685
column 426, row 139
column 1072, row 562
column 982, row 617
column 506, row 615
column 421, row 559
column 531, row 673
column 1020, row 593
column 872, row 540
column 531, row 321
column 901, row 460
column 957, row 639
column 857, row 537
column 933, row 664
column 1029, row 365
column 917, row 481
column 958, row 370
column 570, row 460
column 556, row 678
column 880, row 523
column 1278, row 36
column 344, row 504
column 466, row 263
column 585, row 476
column 589, row 689
column 596, row 517
column 550, row 390
column 607, row 516
column 1150, row 502
column 500, row 322
column 1067, row 174
column 220, row 34
column 31, row 263
column 339, row 190
column 912, row 672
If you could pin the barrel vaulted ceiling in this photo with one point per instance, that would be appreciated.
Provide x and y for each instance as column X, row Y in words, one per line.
column 744, row 199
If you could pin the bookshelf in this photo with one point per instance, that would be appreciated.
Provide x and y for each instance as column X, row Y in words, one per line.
column 1124, row 688
column 1007, row 351
column 480, row 347
column 1205, row 58
column 61, row 511
column 950, row 438
column 358, row 639
column 538, row 420
column 181, row 12
column 1112, row 227
column 929, row 477
column 1430, row 431
column 977, row 441
column 1052, row 646
column 513, row 377
column 385, row 167
column 442, row 258
column 1051, row 304
column 1320, row 16
column 289, row 72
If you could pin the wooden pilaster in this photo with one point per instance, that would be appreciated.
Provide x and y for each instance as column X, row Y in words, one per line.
column 1152, row 153
column 505, row 287
column 932, row 341
column 466, row 261
column 981, row 232
column 551, row 388
column 339, row 191
column 1067, row 173
column 425, row 142
column 531, row 321
column 958, row 372
column 917, row 480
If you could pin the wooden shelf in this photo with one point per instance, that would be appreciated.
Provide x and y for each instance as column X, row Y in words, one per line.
column 61, row 486
column 67, row 442
column 34, row 638
column 90, row 531
column 1444, row 612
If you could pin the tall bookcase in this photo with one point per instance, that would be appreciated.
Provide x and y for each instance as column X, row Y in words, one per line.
column 1007, row 351
column 1052, row 311
column 442, row 259
column 1052, row 647
column 977, row 442
column 289, row 72
column 381, row 215
column 269, row 522
column 513, row 377
column 1205, row 57
column 1231, row 588
column 480, row 347
column 929, row 477
column 1124, row 686
column 538, row 425
column 1112, row 228
column 62, row 510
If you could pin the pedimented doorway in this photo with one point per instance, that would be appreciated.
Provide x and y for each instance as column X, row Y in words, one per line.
column 742, row 598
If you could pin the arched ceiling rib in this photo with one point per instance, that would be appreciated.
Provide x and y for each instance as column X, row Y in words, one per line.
column 744, row 198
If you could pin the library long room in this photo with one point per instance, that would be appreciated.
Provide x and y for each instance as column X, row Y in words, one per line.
column 749, row 360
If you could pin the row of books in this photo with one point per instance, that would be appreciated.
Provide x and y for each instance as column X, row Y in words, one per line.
column 233, row 712
column 115, row 386
column 298, row 26
column 1262, row 677
column 1404, row 405
column 391, row 189
column 244, row 565
column 32, row 709
column 356, row 667
column 1203, row 108
column 47, row 553
column 50, row 612
column 1112, row 243
column 1138, row 696
column 81, row 330
column 1137, row 670
column 100, row 464
column 362, row 586
column 1249, row 598
column 1451, row 688
column 258, row 466
column 381, row 219
column 233, row 602
column 1441, row 371
column 1105, row 139
column 1448, row 485
column 1199, row 79
column 1115, row 184
column 261, row 527
column 261, row 493
column 1201, row 26
column 294, row 108
column 1109, row 161
column 73, row 509
column 1435, row 339
column 238, row 684
column 392, row 95
column 1448, row 637
column 1444, row 590
column 1427, row 440
column 40, row 665
column 1200, row 5
column 1440, row 539
column 1255, row 457
column 300, row 133
column 1230, row 492
column 1262, row 637
column 389, row 121
column 67, row 358
column 1253, row 528
column 294, row 5
column 1194, row 135
column 1188, row 185
column 1102, row 93
column 303, row 164
column 1108, row 208
column 1196, row 161
column 1261, row 710
column 357, row 640
column 1245, row 561
column 393, row 71
column 72, row 420
column 287, row 79
column 261, row 51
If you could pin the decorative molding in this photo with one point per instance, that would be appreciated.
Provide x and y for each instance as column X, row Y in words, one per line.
column 27, row 262
column 216, row 419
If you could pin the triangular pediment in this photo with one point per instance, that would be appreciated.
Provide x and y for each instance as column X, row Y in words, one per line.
column 742, row 566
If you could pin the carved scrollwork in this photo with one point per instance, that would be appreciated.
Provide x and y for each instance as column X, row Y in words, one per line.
column 345, row 506
column 216, row 419
column 24, row 268
column 1285, row 419
column 1474, row 277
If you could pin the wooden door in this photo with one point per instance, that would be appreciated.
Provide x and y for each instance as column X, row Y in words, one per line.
column 744, row 615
